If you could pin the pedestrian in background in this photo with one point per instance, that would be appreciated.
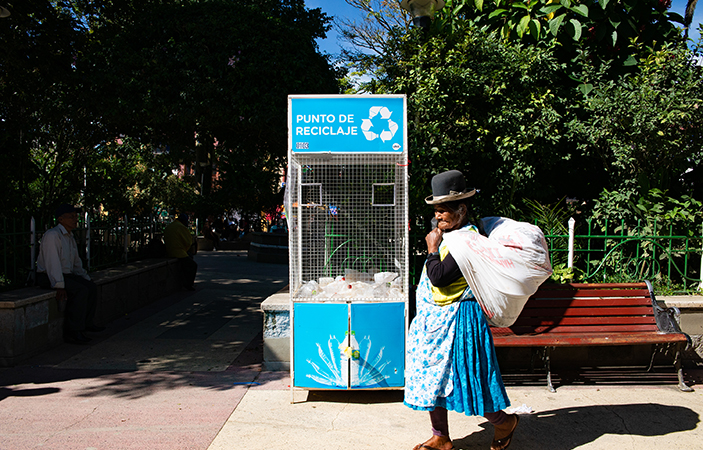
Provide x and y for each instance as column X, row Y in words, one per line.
column 180, row 245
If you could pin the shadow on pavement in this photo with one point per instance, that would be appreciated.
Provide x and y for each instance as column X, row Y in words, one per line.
column 570, row 428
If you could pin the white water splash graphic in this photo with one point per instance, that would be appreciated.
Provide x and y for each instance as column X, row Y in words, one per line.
column 345, row 356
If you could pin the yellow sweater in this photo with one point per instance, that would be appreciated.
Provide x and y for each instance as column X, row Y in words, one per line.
column 177, row 239
column 449, row 294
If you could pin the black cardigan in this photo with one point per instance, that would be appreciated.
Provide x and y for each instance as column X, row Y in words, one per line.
column 444, row 272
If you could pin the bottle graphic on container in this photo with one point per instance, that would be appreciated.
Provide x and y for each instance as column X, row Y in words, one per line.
column 350, row 359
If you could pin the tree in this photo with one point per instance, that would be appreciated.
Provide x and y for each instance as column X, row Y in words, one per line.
column 45, row 133
column 604, row 29
column 202, row 78
column 368, row 39
column 479, row 105
column 645, row 129
column 133, row 178
column 511, row 116
column 209, row 79
column 688, row 16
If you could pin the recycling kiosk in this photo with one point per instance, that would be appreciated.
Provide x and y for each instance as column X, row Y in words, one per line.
column 347, row 207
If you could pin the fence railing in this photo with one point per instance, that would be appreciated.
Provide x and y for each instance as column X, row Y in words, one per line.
column 612, row 251
column 102, row 242
column 615, row 252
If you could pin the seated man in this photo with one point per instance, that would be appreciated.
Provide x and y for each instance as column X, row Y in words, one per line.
column 179, row 244
column 59, row 267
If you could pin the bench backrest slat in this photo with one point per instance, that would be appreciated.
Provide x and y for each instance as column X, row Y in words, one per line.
column 586, row 308
column 585, row 329
column 588, row 302
column 623, row 320
column 603, row 293
column 594, row 310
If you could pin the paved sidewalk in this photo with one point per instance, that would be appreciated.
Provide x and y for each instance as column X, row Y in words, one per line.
column 165, row 377
column 185, row 373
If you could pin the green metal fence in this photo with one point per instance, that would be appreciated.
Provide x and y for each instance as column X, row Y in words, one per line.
column 614, row 252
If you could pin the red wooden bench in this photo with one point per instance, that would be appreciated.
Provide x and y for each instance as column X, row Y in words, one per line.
column 564, row 315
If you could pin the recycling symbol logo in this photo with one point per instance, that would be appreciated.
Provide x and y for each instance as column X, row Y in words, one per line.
column 385, row 134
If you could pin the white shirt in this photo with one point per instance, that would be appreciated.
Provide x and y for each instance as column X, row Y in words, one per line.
column 58, row 254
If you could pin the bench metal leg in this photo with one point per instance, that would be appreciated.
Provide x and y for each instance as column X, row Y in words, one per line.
column 679, row 370
column 548, row 367
column 534, row 354
column 655, row 350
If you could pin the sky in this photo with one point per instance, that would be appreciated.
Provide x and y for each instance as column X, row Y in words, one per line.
column 341, row 8
column 333, row 8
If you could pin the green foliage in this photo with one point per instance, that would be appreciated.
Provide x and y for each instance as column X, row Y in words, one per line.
column 643, row 128
column 553, row 220
column 651, row 211
column 604, row 28
column 205, row 79
column 209, row 79
column 653, row 236
column 563, row 274
column 663, row 287
column 478, row 105
column 44, row 131
column 510, row 117
column 546, row 99
column 132, row 178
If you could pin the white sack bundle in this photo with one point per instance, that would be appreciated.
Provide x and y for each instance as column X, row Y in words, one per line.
column 503, row 269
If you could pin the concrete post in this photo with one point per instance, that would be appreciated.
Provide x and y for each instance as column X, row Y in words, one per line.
column 572, row 223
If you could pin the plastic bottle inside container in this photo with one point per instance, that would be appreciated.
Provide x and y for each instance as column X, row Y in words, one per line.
column 381, row 290
column 384, row 277
column 346, row 291
column 395, row 293
column 352, row 275
column 309, row 289
column 364, row 290
column 337, row 289
column 324, row 281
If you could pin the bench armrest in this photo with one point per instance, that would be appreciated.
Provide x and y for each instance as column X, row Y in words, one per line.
column 668, row 319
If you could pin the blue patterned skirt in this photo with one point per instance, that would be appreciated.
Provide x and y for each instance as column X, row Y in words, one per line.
column 478, row 385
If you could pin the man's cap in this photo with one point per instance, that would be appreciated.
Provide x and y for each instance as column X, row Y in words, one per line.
column 66, row 208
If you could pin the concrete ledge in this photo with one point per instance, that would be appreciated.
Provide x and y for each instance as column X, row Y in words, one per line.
column 30, row 322
column 277, row 330
column 23, row 297
column 269, row 248
column 205, row 243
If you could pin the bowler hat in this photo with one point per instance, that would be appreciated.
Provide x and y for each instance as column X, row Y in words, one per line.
column 65, row 208
column 447, row 187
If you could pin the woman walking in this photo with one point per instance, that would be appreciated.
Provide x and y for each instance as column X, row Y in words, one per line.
column 452, row 363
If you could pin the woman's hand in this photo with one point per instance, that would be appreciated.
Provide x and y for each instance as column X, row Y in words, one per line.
column 433, row 239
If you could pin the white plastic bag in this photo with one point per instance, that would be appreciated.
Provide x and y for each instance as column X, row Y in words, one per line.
column 503, row 269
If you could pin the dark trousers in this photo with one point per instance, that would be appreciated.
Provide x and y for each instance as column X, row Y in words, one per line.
column 188, row 269
column 81, row 304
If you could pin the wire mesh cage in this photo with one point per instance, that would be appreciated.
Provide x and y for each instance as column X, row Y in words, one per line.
column 348, row 226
